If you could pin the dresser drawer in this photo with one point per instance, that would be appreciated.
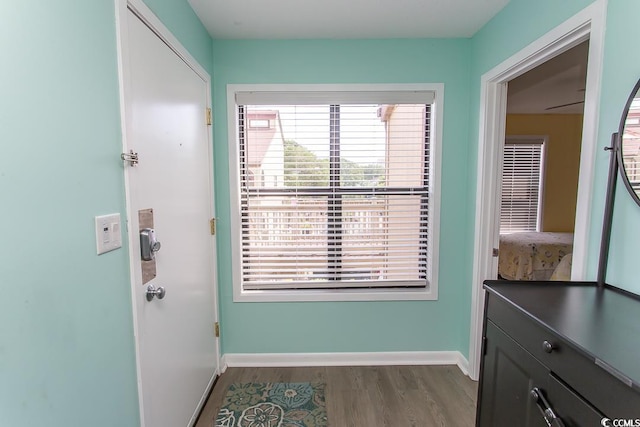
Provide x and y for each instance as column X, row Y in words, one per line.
column 569, row 407
column 603, row 390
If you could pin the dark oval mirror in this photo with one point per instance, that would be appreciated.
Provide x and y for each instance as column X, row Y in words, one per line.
column 629, row 153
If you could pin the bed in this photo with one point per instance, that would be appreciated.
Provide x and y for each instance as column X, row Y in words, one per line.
column 532, row 256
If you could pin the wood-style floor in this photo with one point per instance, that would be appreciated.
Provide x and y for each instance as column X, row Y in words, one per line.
column 376, row 396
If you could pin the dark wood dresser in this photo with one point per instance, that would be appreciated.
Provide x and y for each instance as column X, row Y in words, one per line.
column 559, row 353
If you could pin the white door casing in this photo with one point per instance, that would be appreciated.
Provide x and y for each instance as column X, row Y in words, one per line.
column 164, row 96
column 587, row 24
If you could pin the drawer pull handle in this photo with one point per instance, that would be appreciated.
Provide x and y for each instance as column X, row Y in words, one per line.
column 547, row 347
column 549, row 415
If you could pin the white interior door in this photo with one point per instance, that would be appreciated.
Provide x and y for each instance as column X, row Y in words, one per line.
column 165, row 104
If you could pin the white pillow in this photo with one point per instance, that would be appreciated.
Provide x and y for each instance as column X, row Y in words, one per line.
column 563, row 270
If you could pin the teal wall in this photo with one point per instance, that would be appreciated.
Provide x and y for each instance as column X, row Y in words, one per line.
column 65, row 314
column 520, row 23
column 352, row 326
column 66, row 336
column 620, row 73
column 358, row 326
column 517, row 25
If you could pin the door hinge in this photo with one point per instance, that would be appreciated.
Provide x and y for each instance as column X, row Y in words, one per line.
column 496, row 252
column 216, row 329
column 130, row 157
column 212, row 226
column 484, row 346
column 209, row 119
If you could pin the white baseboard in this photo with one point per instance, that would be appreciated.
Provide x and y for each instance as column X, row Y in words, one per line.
column 463, row 363
column 272, row 360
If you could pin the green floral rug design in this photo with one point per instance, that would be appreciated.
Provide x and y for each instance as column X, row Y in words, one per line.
column 273, row 405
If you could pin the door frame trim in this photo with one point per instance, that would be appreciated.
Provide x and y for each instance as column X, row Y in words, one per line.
column 140, row 9
column 588, row 24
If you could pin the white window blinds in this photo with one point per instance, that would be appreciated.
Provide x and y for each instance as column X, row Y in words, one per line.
column 334, row 195
column 521, row 185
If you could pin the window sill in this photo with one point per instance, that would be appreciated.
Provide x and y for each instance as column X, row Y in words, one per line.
column 429, row 294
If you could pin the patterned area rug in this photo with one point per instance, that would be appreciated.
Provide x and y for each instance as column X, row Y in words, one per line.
column 273, row 405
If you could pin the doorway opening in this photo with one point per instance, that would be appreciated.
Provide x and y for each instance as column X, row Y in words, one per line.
column 587, row 24
column 540, row 168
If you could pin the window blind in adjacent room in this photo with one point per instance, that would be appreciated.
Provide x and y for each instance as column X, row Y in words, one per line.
column 521, row 185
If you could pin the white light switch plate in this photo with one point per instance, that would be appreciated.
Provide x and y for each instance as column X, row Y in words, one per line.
column 108, row 233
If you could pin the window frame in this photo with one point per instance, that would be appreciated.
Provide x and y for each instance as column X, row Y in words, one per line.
column 430, row 292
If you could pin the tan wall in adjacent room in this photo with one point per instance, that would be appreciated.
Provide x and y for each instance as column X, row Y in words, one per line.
column 564, row 132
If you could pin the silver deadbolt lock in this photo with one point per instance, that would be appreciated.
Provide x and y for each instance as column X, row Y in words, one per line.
column 148, row 244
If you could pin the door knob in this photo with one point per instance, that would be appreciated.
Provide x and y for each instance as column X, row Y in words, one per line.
column 153, row 292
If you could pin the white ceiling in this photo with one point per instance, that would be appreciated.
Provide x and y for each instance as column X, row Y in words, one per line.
column 557, row 82
column 344, row 19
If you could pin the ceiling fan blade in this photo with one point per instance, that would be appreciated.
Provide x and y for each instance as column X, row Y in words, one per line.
column 564, row 105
